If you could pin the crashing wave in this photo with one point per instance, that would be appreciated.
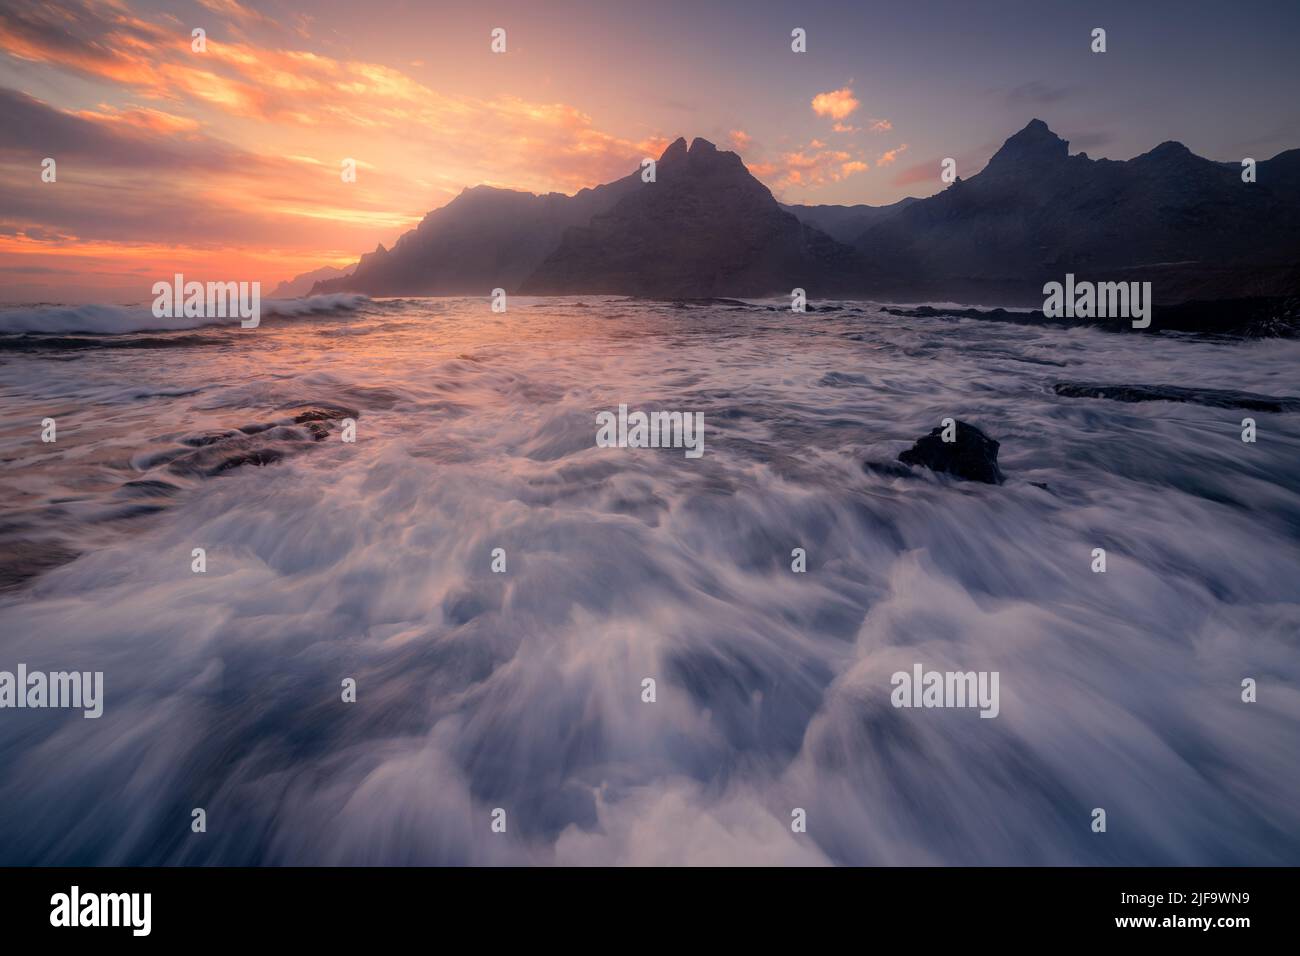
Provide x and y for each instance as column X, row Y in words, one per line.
column 122, row 320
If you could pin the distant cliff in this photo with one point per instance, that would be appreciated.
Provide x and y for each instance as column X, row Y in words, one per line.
column 302, row 284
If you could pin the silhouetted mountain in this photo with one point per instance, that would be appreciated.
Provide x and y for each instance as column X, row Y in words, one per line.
column 302, row 284
column 483, row 239
column 1034, row 213
column 846, row 223
column 704, row 227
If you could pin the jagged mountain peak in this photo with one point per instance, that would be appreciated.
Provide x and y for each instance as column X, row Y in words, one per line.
column 1035, row 143
column 702, row 225
column 700, row 149
column 676, row 150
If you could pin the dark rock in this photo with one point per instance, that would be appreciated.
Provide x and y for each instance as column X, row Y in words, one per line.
column 208, row 438
column 324, row 412
column 39, row 342
column 972, row 457
column 21, row 560
column 1035, row 317
column 260, row 443
column 1253, row 317
column 304, row 414
column 1213, row 397
column 148, row 488
column 887, row 469
column 260, row 456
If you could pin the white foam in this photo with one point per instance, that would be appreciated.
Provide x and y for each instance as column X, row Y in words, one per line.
column 522, row 690
column 124, row 319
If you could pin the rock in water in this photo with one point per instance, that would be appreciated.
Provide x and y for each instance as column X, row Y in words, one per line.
column 972, row 457
column 1213, row 397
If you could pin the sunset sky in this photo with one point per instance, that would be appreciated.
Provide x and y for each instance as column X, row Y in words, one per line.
column 225, row 164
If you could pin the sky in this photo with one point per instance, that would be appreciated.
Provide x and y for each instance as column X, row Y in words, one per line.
column 225, row 163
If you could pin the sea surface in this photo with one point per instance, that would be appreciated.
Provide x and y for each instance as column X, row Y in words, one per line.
column 522, row 691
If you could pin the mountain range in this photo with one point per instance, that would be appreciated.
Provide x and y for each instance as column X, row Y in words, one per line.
column 301, row 285
column 706, row 227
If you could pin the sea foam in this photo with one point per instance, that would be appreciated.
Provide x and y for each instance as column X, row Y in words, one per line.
column 120, row 320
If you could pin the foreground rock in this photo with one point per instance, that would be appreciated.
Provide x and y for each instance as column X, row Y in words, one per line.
column 259, row 443
column 972, row 457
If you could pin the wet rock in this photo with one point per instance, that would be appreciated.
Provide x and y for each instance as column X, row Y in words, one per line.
column 260, row 443
column 21, row 560
column 148, row 488
column 1213, row 397
column 887, row 469
column 208, row 438
column 1034, row 317
column 316, row 412
column 264, row 449
column 972, row 457
column 1243, row 318
column 324, row 412
column 260, row 456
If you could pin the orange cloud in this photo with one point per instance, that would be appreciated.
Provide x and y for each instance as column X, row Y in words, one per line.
column 237, row 12
column 739, row 139
column 247, row 82
column 837, row 104
column 145, row 118
column 888, row 157
column 808, row 167
column 156, row 160
column 417, row 147
column 876, row 126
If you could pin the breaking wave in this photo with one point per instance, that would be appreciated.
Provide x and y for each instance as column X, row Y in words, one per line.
column 121, row 320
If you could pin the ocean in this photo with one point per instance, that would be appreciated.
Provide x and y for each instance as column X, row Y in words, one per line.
column 501, row 716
